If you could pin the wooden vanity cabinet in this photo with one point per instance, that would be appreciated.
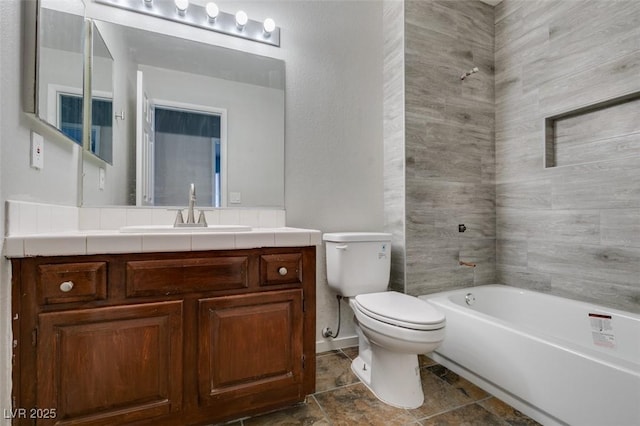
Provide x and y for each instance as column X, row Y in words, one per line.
column 162, row 338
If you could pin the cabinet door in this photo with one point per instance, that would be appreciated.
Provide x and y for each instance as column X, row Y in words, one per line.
column 250, row 350
column 111, row 365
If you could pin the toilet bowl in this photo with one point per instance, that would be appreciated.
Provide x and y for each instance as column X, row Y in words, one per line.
column 393, row 328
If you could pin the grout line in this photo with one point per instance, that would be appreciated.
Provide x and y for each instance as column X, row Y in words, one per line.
column 324, row 413
column 345, row 354
column 447, row 411
column 328, row 353
column 338, row 387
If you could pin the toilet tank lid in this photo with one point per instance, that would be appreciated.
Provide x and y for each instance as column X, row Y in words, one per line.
column 343, row 237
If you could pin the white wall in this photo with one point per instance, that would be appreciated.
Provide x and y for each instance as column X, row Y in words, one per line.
column 333, row 122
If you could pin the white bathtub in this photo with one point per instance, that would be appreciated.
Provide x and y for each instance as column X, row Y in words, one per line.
column 557, row 360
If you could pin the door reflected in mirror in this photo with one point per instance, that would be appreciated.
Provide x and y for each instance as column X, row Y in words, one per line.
column 195, row 113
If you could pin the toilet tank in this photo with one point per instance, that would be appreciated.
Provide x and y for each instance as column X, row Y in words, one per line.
column 358, row 262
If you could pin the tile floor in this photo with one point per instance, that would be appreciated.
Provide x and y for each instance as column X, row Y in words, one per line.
column 341, row 399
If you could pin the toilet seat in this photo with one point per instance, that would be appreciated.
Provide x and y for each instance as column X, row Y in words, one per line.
column 400, row 310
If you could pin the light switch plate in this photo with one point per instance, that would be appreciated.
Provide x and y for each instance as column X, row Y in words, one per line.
column 235, row 197
column 37, row 151
column 101, row 178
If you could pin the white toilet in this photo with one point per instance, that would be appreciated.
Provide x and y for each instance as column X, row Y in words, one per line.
column 393, row 328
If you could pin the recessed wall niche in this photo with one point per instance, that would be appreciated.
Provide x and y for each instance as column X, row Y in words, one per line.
column 608, row 129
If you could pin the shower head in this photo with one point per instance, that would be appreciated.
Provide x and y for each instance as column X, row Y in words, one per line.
column 468, row 73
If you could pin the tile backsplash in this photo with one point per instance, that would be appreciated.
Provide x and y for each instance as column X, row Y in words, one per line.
column 28, row 218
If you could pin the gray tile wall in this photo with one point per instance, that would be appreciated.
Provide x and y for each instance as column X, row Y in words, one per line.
column 463, row 154
column 394, row 169
column 574, row 229
column 449, row 144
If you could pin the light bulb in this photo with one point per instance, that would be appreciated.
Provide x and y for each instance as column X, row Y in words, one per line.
column 268, row 26
column 241, row 19
column 181, row 6
column 212, row 11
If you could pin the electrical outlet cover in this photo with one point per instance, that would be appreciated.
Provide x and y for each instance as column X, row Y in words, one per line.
column 37, row 151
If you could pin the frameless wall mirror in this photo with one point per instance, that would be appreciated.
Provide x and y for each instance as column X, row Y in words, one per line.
column 192, row 112
column 60, row 66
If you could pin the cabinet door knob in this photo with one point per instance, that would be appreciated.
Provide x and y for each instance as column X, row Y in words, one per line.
column 66, row 286
column 282, row 271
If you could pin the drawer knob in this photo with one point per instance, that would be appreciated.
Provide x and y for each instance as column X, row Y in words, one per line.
column 66, row 286
column 283, row 271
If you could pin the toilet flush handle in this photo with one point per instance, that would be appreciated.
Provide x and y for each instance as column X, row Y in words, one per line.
column 342, row 246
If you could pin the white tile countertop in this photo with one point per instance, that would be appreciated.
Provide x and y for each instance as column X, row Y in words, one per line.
column 37, row 229
column 113, row 241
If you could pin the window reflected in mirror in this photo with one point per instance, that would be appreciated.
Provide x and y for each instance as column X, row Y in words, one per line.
column 61, row 66
column 70, row 122
column 187, row 150
column 102, row 115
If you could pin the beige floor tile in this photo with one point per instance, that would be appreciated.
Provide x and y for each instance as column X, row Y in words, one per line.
column 356, row 405
column 462, row 385
column 439, row 396
column 308, row 414
column 425, row 361
column 469, row 415
column 351, row 352
column 333, row 370
column 506, row 412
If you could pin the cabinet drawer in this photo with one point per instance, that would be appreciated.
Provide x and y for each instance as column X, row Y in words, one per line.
column 178, row 276
column 283, row 268
column 72, row 282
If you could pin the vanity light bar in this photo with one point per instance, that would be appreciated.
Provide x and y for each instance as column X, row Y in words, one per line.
column 197, row 16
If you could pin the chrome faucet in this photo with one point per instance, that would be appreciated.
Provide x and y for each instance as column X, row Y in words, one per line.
column 191, row 217
column 192, row 203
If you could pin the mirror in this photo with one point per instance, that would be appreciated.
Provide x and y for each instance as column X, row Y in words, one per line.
column 60, row 66
column 192, row 112
column 101, row 136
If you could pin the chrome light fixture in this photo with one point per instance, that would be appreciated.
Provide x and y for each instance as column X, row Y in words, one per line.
column 208, row 17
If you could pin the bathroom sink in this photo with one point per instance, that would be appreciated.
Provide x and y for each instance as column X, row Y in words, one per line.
column 165, row 229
